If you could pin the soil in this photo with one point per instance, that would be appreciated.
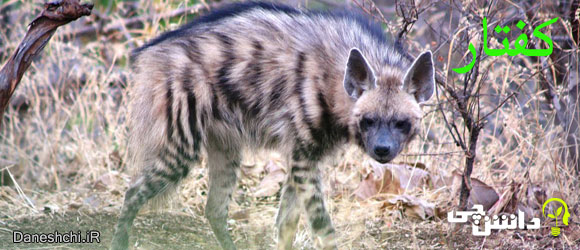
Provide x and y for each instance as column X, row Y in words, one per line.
column 167, row 230
column 152, row 231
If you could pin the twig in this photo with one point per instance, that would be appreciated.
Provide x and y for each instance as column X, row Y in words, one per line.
column 574, row 19
column 497, row 107
column 373, row 8
column 435, row 154
column 408, row 22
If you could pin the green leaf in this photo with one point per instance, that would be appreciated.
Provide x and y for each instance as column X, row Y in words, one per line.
column 551, row 216
column 558, row 211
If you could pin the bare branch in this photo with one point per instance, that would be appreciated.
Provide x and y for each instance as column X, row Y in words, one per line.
column 41, row 29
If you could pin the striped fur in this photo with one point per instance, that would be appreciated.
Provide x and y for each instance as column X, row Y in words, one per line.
column 260, row 75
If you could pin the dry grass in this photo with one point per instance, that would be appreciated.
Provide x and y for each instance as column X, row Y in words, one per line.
column 64, row 153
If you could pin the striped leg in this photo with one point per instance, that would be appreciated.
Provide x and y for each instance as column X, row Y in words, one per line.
column 287, row 218
column 304, row 181
column 222, row 167
column 167, row 170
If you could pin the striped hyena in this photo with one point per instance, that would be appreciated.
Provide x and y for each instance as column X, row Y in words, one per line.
column 262, row 75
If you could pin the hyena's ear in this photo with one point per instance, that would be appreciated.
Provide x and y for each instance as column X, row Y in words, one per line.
column 420, row 78
column 359, row 76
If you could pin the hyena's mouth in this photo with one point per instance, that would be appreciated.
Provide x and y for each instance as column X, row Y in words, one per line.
column 384, row 157
column 383, row 160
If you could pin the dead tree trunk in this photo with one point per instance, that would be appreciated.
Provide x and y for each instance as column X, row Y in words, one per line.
column 41, row 29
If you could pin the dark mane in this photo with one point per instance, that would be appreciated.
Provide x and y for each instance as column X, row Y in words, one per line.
column 227, row 11
column 231, row 10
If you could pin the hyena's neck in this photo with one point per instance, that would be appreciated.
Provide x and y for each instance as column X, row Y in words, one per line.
column 323, row 102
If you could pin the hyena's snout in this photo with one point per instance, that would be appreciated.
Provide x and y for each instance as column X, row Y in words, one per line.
column 383, row 143
column 385, row 149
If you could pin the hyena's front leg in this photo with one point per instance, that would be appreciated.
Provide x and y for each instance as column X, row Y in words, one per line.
column 304, row 180
column 288, row 216
column 222, row 167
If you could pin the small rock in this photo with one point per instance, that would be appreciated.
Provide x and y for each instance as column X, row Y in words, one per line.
column 75, row 206
column 50, row 208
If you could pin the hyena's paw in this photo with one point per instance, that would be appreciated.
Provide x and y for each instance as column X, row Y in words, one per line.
column 120, row 241
column 327, row 242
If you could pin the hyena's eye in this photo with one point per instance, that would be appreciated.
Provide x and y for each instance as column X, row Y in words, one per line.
column 403, row 125
column 365, row 123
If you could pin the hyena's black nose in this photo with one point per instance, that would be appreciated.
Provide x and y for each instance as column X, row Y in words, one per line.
column 382, row 151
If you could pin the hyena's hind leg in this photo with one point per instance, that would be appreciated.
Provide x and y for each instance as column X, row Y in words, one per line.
column 223, row 166
column 165, row 171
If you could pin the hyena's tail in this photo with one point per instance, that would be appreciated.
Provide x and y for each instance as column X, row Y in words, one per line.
column 164, row 144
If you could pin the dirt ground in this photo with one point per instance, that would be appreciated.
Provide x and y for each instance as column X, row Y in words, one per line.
column 170, row 230
column 151, row 231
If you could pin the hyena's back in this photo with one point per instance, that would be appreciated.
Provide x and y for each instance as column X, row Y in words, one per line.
column 255, row 75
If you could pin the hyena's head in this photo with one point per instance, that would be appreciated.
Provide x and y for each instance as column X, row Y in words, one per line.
column 386, row 113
